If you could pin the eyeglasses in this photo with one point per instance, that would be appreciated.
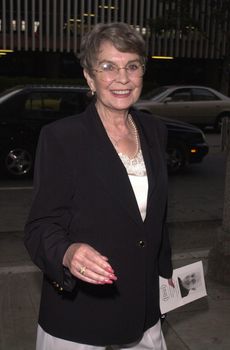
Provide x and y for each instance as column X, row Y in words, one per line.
column 110, row 71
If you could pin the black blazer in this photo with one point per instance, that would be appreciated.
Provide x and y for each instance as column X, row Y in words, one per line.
column 83, row 194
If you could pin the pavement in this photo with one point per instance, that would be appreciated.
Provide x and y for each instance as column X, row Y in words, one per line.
column 201, row 325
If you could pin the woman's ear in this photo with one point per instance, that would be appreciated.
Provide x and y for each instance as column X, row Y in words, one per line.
column 90, row 80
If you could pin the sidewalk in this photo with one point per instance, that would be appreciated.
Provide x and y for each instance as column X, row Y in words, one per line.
column 205, row 323
column 201, row 325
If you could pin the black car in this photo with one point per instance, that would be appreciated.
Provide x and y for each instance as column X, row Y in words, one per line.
column 24, row 110
column 186, row 145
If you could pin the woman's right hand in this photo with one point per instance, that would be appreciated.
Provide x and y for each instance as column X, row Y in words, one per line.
column 87, row 264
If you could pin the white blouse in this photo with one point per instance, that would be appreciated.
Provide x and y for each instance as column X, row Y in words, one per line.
column 138, row 178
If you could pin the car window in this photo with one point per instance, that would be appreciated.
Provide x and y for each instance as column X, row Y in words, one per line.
column 153, row 93
column 181, row 95
column 55, row 104
column 74, row 102
column 42, row 102
column 199, row 94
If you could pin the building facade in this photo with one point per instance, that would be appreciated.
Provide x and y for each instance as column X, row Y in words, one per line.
column 172, row 28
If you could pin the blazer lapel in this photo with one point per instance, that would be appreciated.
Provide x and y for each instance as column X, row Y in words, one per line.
column 111, row 171
column 151, row 154
column 147, row 152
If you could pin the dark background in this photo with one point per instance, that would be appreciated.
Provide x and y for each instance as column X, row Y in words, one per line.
column 22, row 67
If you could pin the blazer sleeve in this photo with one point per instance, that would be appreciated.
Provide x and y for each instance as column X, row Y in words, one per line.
column 47, row 227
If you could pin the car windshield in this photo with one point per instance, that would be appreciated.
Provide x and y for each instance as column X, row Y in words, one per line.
column 7, row 94
column 154, row 93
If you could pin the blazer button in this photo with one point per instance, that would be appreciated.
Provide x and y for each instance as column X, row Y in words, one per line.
column 141, row 244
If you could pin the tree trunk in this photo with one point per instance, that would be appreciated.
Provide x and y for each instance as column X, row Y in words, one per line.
column 225, row 73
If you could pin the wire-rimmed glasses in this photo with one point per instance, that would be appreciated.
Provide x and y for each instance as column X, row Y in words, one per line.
column 110, row 71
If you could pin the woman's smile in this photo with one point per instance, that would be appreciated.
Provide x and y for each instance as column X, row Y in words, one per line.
column 121, row 93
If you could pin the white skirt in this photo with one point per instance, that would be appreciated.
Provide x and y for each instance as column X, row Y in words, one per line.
column 152, row 339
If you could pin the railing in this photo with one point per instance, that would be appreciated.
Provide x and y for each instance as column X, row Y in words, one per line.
column 58, row 25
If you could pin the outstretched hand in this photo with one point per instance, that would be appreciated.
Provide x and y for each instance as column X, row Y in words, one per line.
column 87, row 264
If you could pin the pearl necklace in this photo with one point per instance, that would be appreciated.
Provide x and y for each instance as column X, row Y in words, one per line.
column 135, row 133
column 130, row 119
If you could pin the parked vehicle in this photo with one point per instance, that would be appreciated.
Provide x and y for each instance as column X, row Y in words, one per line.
column 198, row 105
column 25, row 110
column 186, row 145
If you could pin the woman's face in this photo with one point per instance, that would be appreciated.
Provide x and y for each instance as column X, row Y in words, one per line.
column 120, row 92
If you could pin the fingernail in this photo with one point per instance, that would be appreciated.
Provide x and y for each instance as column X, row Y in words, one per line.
column 108, row 281
column 113, row 277
column 109, row 269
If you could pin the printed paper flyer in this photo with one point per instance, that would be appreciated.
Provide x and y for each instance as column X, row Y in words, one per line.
column 189, row 285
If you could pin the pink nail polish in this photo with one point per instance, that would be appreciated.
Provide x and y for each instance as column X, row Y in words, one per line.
column 109, row 269
column 113, row 277
column 108, row 281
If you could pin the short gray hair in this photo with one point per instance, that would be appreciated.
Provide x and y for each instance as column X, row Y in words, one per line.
column 121, row 35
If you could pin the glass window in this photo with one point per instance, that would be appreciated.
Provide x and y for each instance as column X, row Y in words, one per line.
column 73, row 102
column 200, row 94
column 42, row 102
column 55, row 104
column 155, row 92
column 181, row 95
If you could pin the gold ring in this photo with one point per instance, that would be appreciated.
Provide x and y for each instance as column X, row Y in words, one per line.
column 82, row 270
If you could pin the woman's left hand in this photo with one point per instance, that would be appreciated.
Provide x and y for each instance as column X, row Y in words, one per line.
column 87, row 264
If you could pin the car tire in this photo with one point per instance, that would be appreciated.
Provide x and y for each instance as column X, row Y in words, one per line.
column 219, row 121
column 176, row 157
column 17, row 162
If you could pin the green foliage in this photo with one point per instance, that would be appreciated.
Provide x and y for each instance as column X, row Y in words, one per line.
column 220, row 13
column 195, row 19
column 187, row 16
column 177, row 16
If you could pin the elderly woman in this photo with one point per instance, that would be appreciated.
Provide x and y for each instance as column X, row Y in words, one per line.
column 97, row 224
